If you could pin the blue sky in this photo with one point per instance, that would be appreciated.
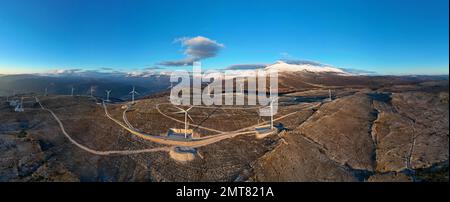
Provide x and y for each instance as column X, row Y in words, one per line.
column 386, row 36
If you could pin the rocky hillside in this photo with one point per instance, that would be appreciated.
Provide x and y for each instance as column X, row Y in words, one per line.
column 392, row 133
column 369, row 136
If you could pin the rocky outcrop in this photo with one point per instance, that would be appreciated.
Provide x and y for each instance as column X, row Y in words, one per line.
column 299, row 160
column 22, row 159
column 369, row 136
column 342, row 128
column 412, row 132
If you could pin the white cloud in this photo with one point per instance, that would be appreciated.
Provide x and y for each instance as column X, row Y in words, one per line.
column 196, row 48
column 246, row 66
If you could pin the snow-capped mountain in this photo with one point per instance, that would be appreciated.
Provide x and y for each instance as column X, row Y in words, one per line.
column 303, row 66
column 284, row 67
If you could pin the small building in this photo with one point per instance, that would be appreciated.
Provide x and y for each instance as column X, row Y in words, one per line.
column 176, row 133
column 19, row 108
column 183, row 154
column 264, row 131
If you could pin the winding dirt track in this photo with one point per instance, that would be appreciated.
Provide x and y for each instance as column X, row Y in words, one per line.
column 194, row 143
column 125, row 119
column 96, row 152
column 197, row 142
column 167, row 141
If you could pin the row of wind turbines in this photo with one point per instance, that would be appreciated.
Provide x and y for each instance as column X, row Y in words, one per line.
column 92, row 91
column 18, row 106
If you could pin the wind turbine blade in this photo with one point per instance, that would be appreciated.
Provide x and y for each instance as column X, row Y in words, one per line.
column 189, row 109
column 179, row 108
column 180, row 112
column 190, row 118
column 136, row 92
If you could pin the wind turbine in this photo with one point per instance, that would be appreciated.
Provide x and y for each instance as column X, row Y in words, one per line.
column 108, row 92
column 133, row 92
column 271, row 106
column 71, row 93
column 242, row 88
column 19, row 107
column 171, row 86
column 92, row 91
column 271, row 111
column 46, row 92
column 186, row 115
column 329, row 93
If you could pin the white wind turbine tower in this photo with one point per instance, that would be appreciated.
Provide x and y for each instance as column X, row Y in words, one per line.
column 186, row 116
column 242, row 88
column 108, row 92
column 19, row 107
column 170, row 87
column 92, row 91
column 272, row 100
column 271, row 111
column 133, row 92
column 71, row 92
column 329, row 93
column 46, row 92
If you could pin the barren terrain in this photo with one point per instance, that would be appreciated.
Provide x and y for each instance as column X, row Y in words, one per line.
column 388, row 133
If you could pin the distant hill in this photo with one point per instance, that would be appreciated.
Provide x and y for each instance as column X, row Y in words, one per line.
column 293, row 75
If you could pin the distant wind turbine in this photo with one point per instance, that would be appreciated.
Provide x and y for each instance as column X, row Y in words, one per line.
column 186, row 116
column 19, row 107
column 92, row 91
column 329, row 93
column 108, row 92
column 242, row 88
column 272, row 100
column 133, row 93
column 271, row 111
